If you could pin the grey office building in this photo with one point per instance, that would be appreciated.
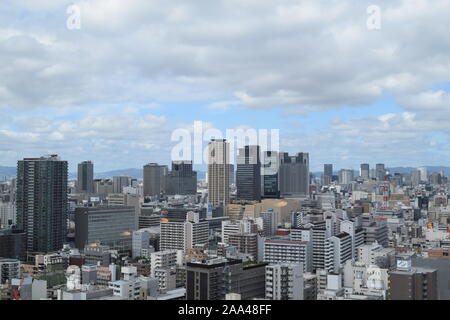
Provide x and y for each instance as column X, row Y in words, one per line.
column 376, row 231
column 213, row 279
column 120, row 182
column 294, row 175
column 327, row 174
column 149, row 219
column 380, row 172
column 85, row 182
column 182, row 179
column 12, row 244
column 248, row 174
column 155, row 179
column 97, row 254
column 415, row 177
column 42, row 204
column 108, row 225
column 208, row 281
column 328, row 170
column 103, row 186
column 365, row 171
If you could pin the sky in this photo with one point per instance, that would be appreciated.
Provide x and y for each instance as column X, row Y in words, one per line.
column 114, row 90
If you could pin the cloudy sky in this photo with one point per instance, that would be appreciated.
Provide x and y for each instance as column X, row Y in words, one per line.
column 114, row 90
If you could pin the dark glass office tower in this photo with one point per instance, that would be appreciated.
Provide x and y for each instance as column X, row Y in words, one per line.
column 248, row 174
column 294, row 175
column 328, row 170
column 380, row 171
column 42, row 204
column 269, row 174
column 85, row 182
column 155, row 179
column 365, row 171
column 182, row 179
column 327, row 174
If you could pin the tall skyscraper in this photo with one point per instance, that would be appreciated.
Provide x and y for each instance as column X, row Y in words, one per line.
column 182, row 179
column 219, row 172
column 380, row 171
column 294, row 175
column 155, row 179
column 327, row 174
column 423, row 174
column 270, row 165
column 346, row 176
column 248, row 174
column 365, row 171
column 85, row 182
column 42, row 204
column 232, row 174
column 120, row 182
column 415, row 177
column 328, row 170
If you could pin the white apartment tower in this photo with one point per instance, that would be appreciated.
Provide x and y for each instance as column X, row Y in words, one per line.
column 162, row 260
column 184, row 235
column 356, row 232
column 140, row 243
column 338, row 249
column 284, row 282
column 291, row 252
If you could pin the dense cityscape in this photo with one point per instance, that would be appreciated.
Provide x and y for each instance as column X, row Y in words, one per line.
column 265, row 228
column 216, row 159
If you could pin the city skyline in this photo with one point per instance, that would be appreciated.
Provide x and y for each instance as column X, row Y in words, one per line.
column 73, row 172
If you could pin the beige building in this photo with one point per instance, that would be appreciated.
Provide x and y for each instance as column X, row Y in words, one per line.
column 219, row 172
column 282, row 207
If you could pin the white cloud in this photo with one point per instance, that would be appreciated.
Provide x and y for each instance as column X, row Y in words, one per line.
column 311, row 55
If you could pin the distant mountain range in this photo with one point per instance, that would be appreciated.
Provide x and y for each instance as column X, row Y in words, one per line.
column 132, row 172
column 429, row 168
column 404, row 170
column 10, row 172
